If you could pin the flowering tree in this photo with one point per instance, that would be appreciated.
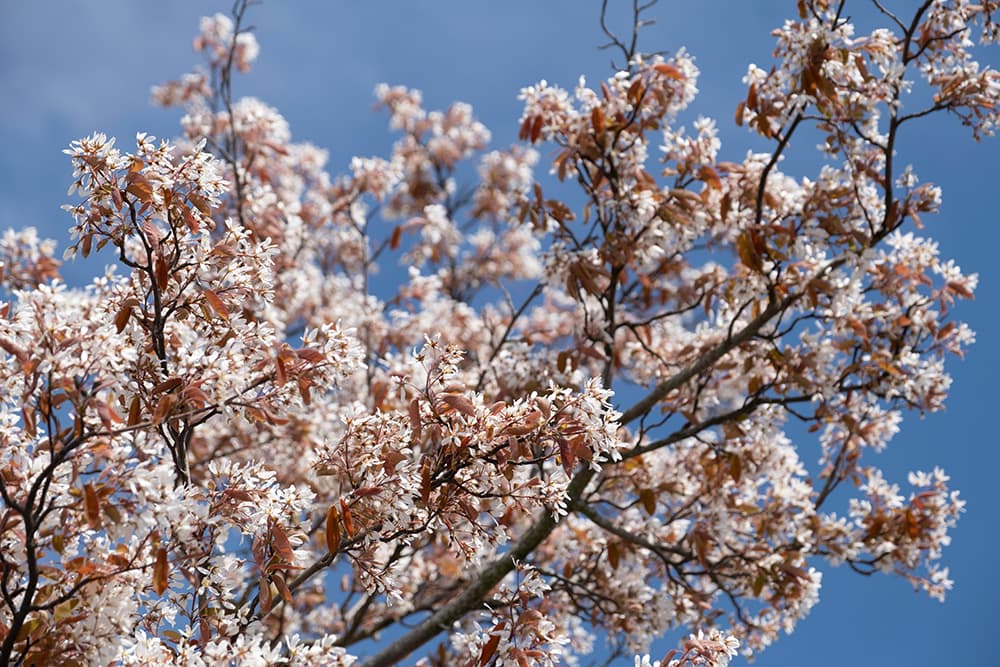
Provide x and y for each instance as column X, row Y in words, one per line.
column 633, row 408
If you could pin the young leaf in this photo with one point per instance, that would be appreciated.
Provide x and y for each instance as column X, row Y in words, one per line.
column 748, row 253
column 279, row 582
column 490, row 647
column 264, row 592
column 162, row 273
column 332, row 530
column 122, row 318
column 217, row 304
column 280, row 543
column 160, row 571
column 648, row 499
column 460, row 403
column 348, row 518
column 92, row 507
column 167, row 385
column 669, row 70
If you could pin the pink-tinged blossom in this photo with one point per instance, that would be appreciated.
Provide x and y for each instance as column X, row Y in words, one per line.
column 217, row 42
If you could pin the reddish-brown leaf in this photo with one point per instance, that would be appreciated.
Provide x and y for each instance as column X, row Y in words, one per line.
column 14, row 349
column 163, row 408
column 736, row 468
column 167, row 385
column 614, row 554
column 490, row 647
column 304, row 390
column 460, row 403
column 536, row 129
column 525, row 131
column 264, row 592
column 107, row 414
column 310, row 355
column 416, row 424
column 333, row 529
column 30, row 420
column 280, row 543
column 204, row 630
column 217, row 304
column 390, row 459
column 201, row 204
column 567, row 456
column 669, row 70
column 944, row 331
column 58, row 543
column 597, row 120
column 134, row 411
column 162, row 272
column 959, row 288
column 635, row 91
column 348, row 518
column 140, row 188
column 190, row 220
column 161, row 569
column 280, row 372
column 279, row 583
column 648, row 499
column 888, row 367
column 239, row 495
column 748, row 253
column 92, row 507
column 521, row 429
column 710, row 176
column 122, row 318
column 591, row 352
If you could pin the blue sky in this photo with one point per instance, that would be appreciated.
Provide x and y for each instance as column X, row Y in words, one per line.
column 70, row 67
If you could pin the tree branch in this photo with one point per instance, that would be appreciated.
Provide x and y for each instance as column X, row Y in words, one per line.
column 491, row 575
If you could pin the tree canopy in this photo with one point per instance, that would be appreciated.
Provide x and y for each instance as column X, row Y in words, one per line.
column 471, row 405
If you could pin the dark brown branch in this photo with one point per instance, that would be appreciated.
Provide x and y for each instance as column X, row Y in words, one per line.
column 707, row 360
